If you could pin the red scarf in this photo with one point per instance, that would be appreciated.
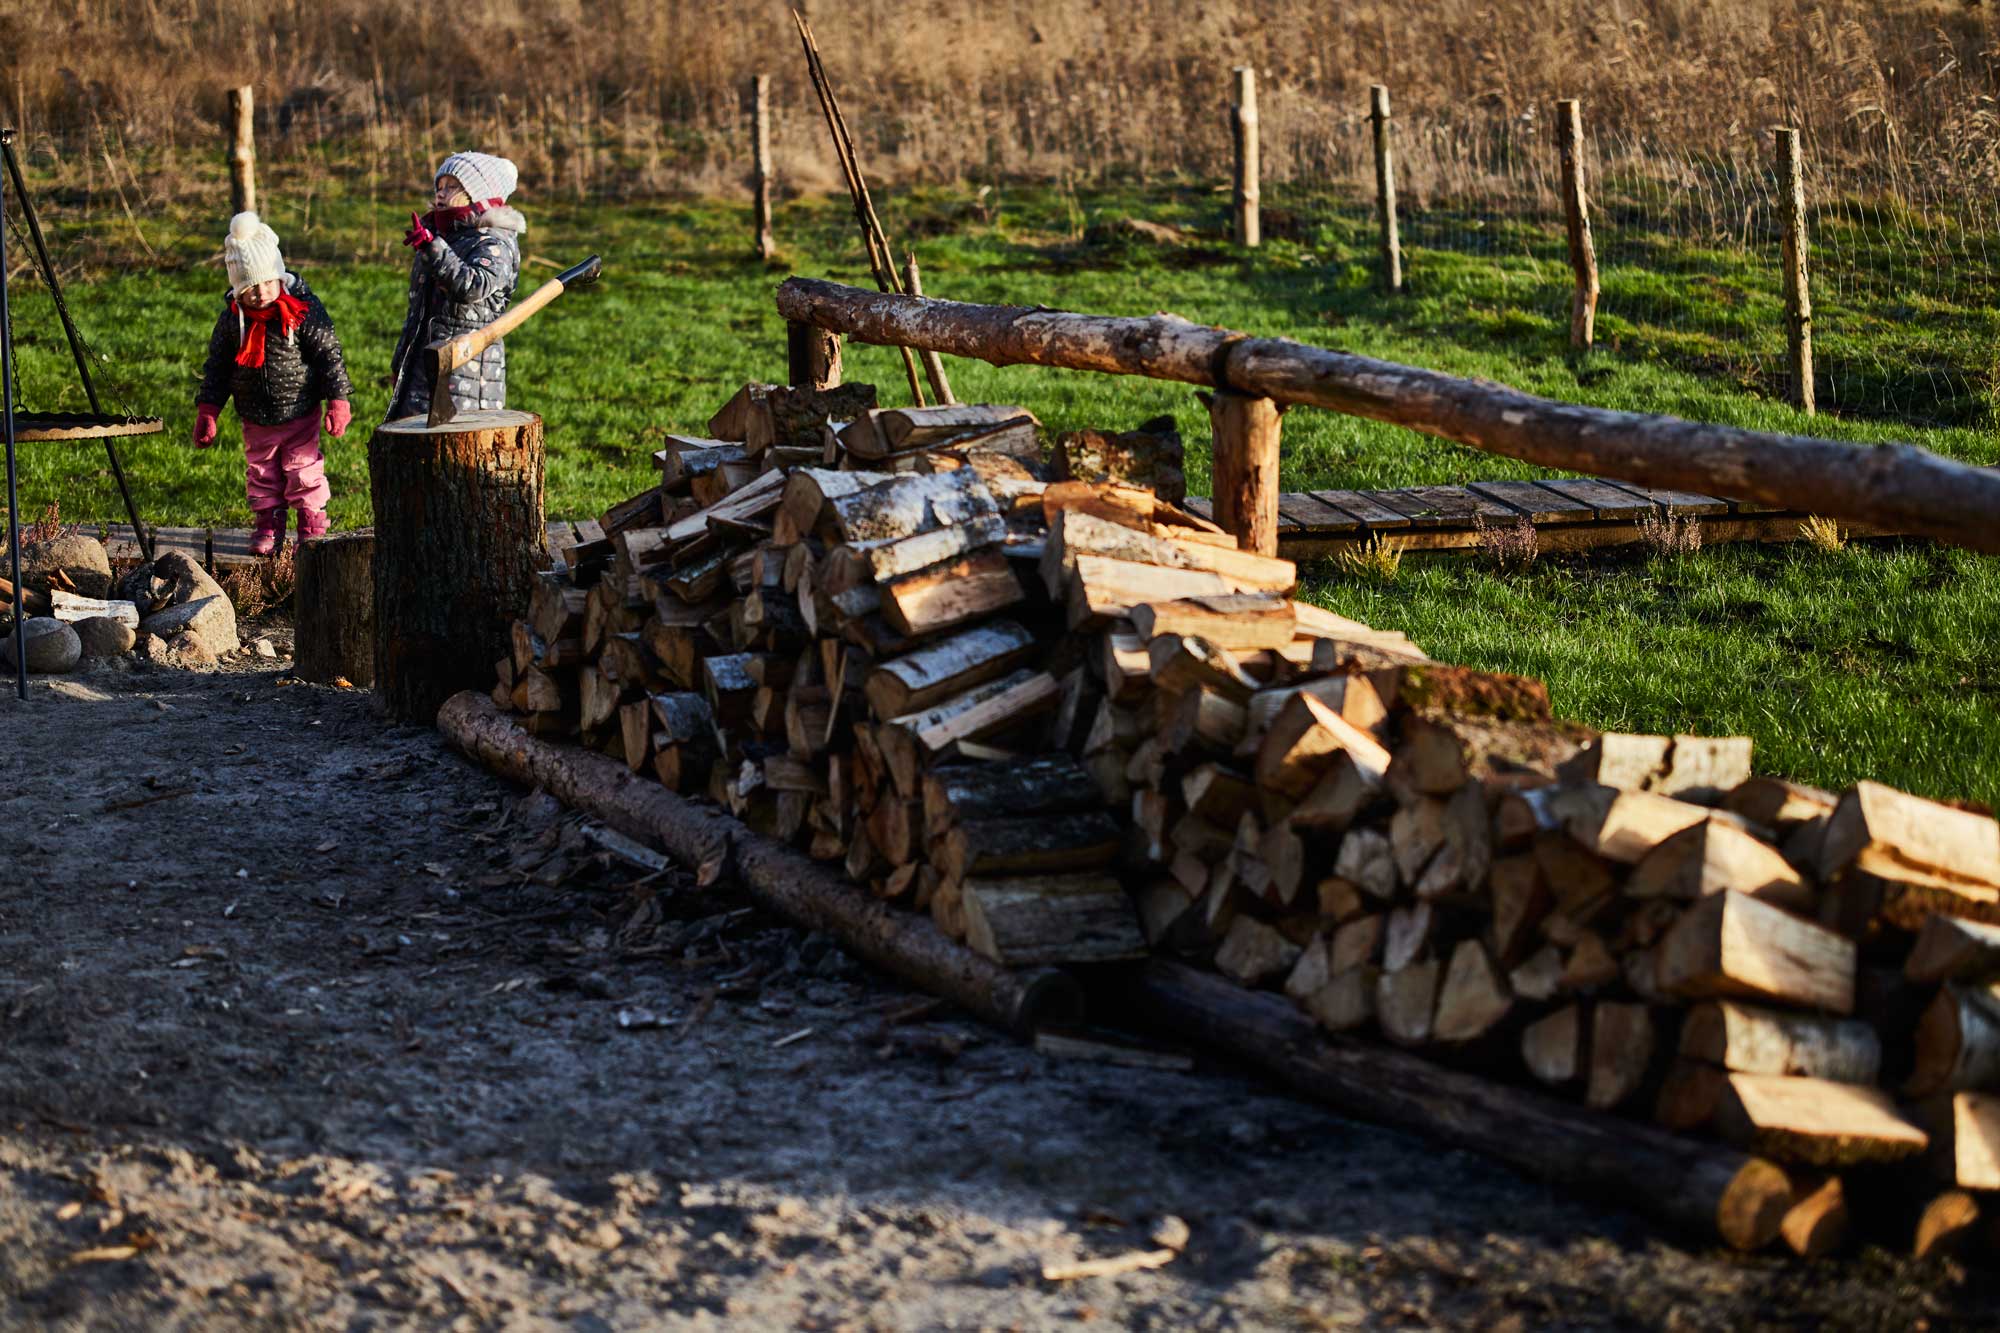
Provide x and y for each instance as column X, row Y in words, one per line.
column 290, row 312
column 443, row 220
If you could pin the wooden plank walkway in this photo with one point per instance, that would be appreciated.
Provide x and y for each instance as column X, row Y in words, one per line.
column 1574, row 515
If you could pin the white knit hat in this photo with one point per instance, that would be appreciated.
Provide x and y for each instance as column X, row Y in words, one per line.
column 250, row 252
column 483, row 175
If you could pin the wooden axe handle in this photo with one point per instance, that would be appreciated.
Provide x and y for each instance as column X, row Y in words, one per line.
column 452, row 353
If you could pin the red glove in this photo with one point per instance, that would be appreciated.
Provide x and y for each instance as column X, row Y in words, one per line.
column 205, row 415
column 418, row 235
column 338, row 414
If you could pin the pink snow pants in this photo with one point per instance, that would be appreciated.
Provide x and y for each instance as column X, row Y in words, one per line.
column 283, row 465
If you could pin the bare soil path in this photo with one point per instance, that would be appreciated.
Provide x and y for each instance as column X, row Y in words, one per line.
column 309, row 1024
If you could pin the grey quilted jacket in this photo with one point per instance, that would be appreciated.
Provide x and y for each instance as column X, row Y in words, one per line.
column 299, row 373
column 459, row 282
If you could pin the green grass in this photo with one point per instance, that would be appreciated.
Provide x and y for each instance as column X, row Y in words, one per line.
column 1880, row 660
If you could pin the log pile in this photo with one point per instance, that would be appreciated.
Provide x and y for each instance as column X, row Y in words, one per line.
column 1075, row 724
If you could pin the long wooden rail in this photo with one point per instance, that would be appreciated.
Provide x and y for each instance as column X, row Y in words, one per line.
column 1893, row 487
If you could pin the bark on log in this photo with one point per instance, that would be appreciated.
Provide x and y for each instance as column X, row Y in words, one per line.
column 782, row 879
column 1700, row 1187
column 1899, row 487
column 333, row 608
column 459, row 534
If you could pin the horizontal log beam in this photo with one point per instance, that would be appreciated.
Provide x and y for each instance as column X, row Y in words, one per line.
column 1894, row 486
column 1704, row 1189
column 898, row 942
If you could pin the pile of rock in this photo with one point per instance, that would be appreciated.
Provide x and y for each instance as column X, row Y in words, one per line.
column 169, row 611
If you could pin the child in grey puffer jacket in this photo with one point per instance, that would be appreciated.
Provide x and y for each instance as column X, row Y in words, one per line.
column 467, row 262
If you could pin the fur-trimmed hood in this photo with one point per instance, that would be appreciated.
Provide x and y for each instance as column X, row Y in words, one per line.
column 505, row 217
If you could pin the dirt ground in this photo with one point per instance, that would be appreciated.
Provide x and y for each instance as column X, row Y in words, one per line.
column 310, row 1024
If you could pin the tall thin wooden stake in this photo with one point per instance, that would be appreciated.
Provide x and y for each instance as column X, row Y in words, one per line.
column 1243, row 126
column 760, row 132
column 1576, row 211
column 913, row 283
column 1245, row 429
column 1385, row 189
column 1798, row 289
column 242, row 150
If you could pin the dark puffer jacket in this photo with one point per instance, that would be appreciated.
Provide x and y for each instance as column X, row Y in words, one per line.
column 459, row 282
column 299, row 373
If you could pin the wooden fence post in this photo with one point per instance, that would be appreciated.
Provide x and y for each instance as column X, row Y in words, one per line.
column 1243, row 126
column 1798, row 291
column 913, row 284
column 1245, row 431
column 812, row 356
column 760, row 129
column 1576, row 210
column 1385, row 189
column 242, row 150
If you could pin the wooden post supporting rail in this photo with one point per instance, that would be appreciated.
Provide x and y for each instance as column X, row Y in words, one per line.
column 242, row 150
column 1576, row 212
column 913, row 283
column 1245, row 430
column 760, row 182
column 1798, row 290
column 812, row 357
column 1894, row 487
column 1243, row 129
column 1385, row 189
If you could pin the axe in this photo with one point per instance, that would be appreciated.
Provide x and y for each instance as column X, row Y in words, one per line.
column 448, row 354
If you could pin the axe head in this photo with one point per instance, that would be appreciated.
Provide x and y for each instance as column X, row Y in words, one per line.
column 443, row 409
column 582, row 275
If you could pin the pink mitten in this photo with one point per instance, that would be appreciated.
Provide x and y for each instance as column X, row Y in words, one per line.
column 338, row 414
column 418, row 235
column 205, row 415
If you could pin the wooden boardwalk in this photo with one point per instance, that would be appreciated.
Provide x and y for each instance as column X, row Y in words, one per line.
column 1567, row 516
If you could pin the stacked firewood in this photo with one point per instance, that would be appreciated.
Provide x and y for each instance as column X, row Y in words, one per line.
column 1074, row 723
column 1423, row 853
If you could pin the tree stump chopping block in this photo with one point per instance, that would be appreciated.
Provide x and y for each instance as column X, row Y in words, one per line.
column 333, row 608
column 459, row 534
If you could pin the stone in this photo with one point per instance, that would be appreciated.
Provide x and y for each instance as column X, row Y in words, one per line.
column 176, row 580
column 212, row 618
column 265, row 649
column 53, row 647
column 82, row 559
column 185, row 651
column 104, row 637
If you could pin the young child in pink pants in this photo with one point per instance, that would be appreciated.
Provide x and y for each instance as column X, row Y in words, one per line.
column 274, row 350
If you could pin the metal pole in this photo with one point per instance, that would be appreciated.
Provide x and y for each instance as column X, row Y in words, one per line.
column 7, row 424
column 69, row 331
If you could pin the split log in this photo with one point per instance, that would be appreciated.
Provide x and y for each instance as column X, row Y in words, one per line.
column 1817, row 1224
column 1693, row 768
column 781, row 879
column 951, row 595
column 1753, row 1040
column 1716, row 857
column 1347, row 1001
column 1406, row 1003
column 459, row 534
column 1704, row 1188
column 1552, row 1047
column 1815, row 1121
column 941, row 670
column 1882, row 831
column 1475, row 998
column 1623, row 825
column 1045, row 784
column 1730, row 946
column 1151, row 458
column 1304, row 739
column 1237, row 621
column 1948, row 949
column 1621, row 1054
column 1957, row 1042
column 1948, row 1225
column 1078, row 533
column 986, row 848
column 333, row 608
column 1899, row 488
column 1775, row 803
column 1254, row 953
column 1051, row 919
column 1441, row 754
